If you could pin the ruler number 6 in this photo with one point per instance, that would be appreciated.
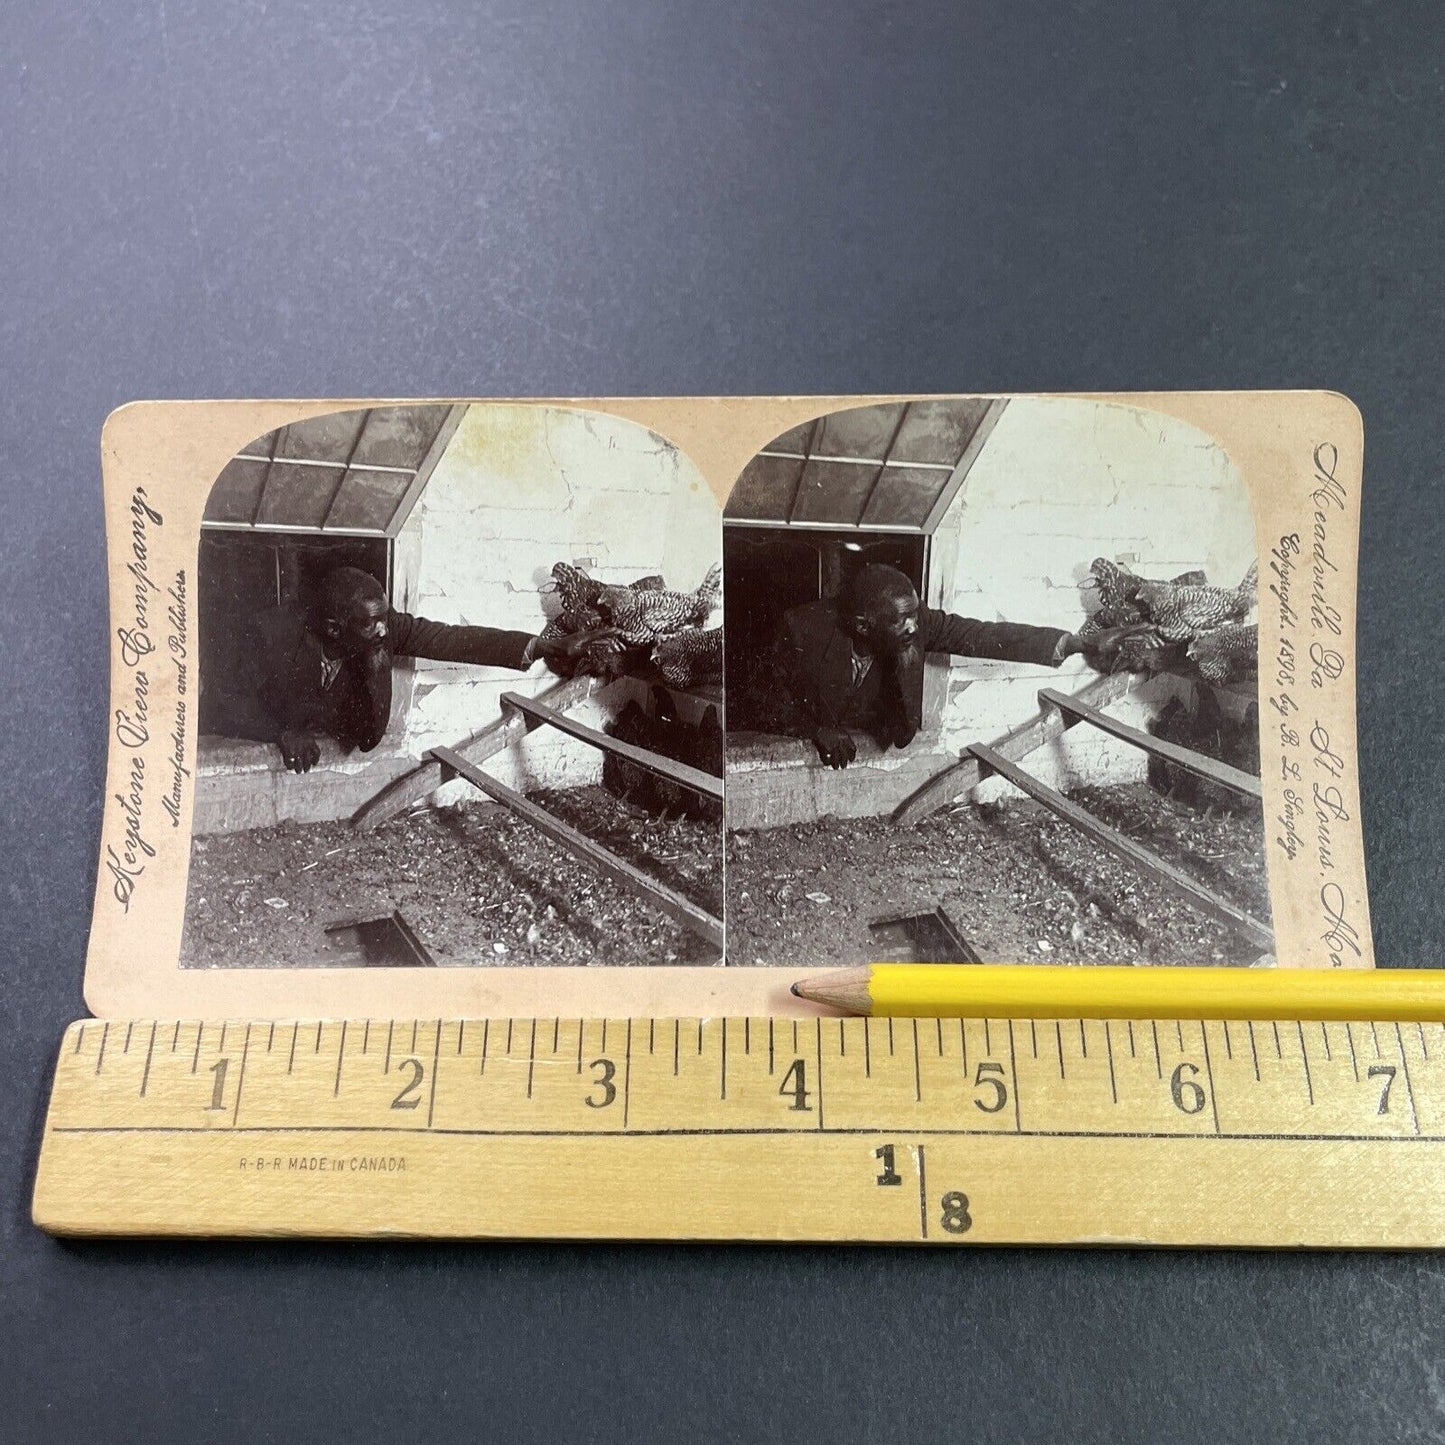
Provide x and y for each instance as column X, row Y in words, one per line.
column 1387, row 1073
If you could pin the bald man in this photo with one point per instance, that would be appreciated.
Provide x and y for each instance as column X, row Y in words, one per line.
column 858, row 662
column 304, row 676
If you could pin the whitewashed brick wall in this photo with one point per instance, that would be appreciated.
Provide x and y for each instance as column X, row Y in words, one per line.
column 1060, row 482
column 519, row 488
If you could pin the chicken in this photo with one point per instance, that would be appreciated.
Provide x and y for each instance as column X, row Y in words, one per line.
column 580, row 595
column 691, row 658
column 1229, row 653
column 645, row 615
column 1178, row 612
column 1118, row 591
column 663, row 732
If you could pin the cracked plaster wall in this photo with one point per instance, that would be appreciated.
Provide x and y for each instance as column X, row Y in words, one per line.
column 1060, row 482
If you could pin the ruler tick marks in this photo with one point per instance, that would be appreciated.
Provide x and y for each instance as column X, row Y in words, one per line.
column 461, row 1034
column 1325, row 1036
column 842, row 1040
column 699, row 1038
column 1419, row 1029
column 987, row 1038
column 508, row 1049
column 1228, row 1044
column 604, row 1036
column 1305, row 1060
column 963, row 1046
column 390, row 1031
column 748, row 1034
column 221, row 1047
column 581, row 1029
column 938, row 1026
column 795, row 1036
column 1131, row 1039
column 723, row 1069
column 125, row 1047
column 1375, row 1034
column 1253, row 1050
column 820, row 1074
column 1059, row 1041
column 1179, row 1029
column 922, row 1194
column 316, row 1047
column 291, row 1058
column 651, row 1031
column 79, row 1038
column 1033, row 1036
column 917, row 1075
column 436, row 1058
column 867, row 1050
column 531, row 1058
column 1278, row 1051
column 270, row 1037
column 627, row 1075
column 1209, row 1075
column 176, row 1037
column 1409, row 1087
column 365, row 1036
column 557, row 1035
column 890, row 1038
column 241, row 1075
column 195, row 1057
column 415, row 1024
column 150, row 1049
column 486, row 1033
column 1083, row 1040
column 1109, row 1049
column 340, row 1056
column 677, row 1035
column 1158, row 1063
column 1354, row 1057
column 1013, row 1063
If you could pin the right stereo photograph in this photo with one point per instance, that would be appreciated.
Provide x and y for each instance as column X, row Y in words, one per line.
column 991, row 691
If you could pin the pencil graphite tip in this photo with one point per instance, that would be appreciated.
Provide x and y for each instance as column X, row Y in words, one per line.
column 846, row 988
column 793, row 989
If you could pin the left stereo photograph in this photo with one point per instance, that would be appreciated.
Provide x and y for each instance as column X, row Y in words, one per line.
column 406, row 616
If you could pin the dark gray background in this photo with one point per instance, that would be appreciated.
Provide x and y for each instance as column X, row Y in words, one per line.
column 654, row 196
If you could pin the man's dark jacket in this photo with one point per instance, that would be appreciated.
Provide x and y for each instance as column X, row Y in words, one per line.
column 811, row 668
column 278, row 683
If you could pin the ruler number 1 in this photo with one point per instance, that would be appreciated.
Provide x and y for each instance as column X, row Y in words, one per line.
column 218, row 1089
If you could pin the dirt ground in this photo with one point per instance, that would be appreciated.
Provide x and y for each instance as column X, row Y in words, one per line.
column 475, row 885
column 1021, row 885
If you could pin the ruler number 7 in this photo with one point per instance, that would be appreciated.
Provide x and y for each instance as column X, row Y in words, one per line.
column 1387, row 1073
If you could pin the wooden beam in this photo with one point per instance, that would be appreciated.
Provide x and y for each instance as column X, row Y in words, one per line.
column 1195, row 894
column 1181, row 757
column 962, row 777
column 426, row 777
column 588, row 851
column 692, row 778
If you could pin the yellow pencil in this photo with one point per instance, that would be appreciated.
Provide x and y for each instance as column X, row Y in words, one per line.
column 934, row 990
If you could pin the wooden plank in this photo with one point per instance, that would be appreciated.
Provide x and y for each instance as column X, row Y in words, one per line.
column 1195, row 894
column 588, row 851
column 962, row 777
column 411, row 787
column 689, row 777
column 1198, row 763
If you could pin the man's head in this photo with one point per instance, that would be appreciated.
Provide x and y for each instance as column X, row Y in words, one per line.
column 879, row 609
column 353, row 611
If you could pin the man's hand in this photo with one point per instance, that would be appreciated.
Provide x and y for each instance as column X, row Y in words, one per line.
column 570, row 647
column 835, row 746
column 1101, row 651
column 300, row 750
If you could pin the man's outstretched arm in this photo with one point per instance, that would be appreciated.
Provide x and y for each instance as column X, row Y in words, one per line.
column 1013, row 641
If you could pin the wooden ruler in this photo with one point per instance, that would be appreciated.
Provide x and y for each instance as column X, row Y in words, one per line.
column 936, row 1131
